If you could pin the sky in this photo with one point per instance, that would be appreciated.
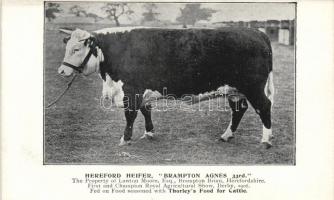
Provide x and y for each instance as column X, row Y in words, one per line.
column 225, row 11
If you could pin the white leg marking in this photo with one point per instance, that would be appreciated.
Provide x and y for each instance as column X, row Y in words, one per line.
column 123, row 142
column 267, row 135
column 228, row 133
column 106, row 91
column 147, row 135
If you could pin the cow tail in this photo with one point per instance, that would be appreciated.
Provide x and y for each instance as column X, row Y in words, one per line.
column 269, row 88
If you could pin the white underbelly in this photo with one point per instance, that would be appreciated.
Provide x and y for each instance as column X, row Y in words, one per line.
column 114, row 91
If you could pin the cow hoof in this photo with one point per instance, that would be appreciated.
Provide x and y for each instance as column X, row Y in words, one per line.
column 123, row 142
column 267, row 145
column 148, row 135
column 266, row 141
column 226, row 139
column 227, row 136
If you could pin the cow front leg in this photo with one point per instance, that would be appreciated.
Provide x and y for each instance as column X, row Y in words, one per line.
column 238, row 108
column 130, row 116
column 149, row 129
column 131, row 103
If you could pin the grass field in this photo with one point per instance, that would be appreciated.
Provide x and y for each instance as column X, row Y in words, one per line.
column 77, row 130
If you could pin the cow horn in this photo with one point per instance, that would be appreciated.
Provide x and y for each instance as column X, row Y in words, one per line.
column 66, row 31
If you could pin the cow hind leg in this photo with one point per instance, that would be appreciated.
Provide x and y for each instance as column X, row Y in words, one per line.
column 262, row 106
column 149, row 129
column 238, row 109
column 265, row 115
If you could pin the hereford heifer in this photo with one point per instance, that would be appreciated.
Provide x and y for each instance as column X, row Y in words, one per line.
column 134, row 62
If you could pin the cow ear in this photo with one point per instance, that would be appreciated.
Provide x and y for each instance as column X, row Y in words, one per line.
column 92, row 45
column 66, row 39
column 92, row 42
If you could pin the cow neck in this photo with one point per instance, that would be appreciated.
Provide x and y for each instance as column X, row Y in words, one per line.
column 104, row 66
column 101, row 61
column 114, row 46
column 104, row 71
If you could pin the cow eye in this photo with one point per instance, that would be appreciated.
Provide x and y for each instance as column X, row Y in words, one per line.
column 75, row 50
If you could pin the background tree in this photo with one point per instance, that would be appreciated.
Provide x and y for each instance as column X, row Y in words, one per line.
column 94, row 16
column 116, row 10
column 192, row 13
column 150, row 14
column 78, row 11
column 51, row 9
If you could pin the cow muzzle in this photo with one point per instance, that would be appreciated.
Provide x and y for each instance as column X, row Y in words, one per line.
column 65, row 71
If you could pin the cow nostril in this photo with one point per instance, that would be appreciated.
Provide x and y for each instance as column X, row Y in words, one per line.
column 61, row 72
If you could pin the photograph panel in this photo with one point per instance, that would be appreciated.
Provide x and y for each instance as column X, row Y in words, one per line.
column 169, row 83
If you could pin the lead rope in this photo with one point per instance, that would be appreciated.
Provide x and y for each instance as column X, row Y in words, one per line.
column 62, row 94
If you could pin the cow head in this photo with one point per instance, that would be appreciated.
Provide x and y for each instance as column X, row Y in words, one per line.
column 82, row 53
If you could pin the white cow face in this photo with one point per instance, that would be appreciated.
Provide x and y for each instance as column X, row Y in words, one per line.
column 76, row 51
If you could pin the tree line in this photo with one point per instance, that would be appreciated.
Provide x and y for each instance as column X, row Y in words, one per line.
column 189, row 14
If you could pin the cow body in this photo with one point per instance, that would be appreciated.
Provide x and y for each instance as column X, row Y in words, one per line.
column 189, row 61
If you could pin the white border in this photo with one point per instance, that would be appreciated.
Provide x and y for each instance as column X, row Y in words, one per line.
column 24, row 176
